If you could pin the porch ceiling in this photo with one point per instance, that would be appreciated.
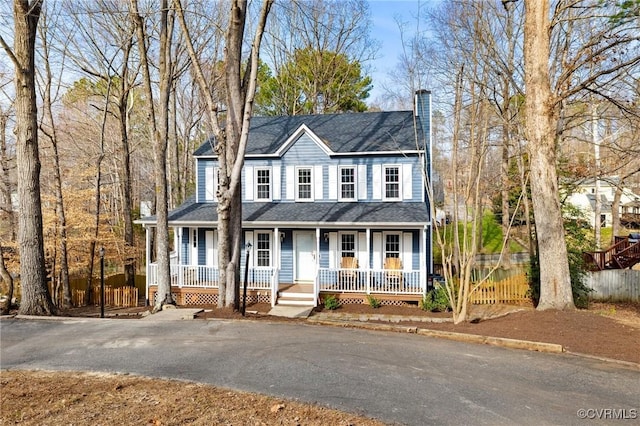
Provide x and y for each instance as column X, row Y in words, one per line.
column 308, row 214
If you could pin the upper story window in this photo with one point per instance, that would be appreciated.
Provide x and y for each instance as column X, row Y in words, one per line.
column 347, row 183
column 263, row 184
column 392, row 183
column 263, row 249
column 392, row 245
column 304, row 184
column 211, row 183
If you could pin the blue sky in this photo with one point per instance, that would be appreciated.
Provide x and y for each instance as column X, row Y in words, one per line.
column 386, row 31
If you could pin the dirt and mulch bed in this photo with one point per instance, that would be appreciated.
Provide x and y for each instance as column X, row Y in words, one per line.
column 57, row 398
column 608, row 330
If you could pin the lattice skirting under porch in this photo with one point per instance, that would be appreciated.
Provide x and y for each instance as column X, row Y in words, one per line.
column 189, row 296
column 384, row 299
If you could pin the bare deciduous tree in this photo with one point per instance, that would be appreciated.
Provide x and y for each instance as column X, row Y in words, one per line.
column 230, row 142
column 33, row 277
column 158, row 122
column 542, row 122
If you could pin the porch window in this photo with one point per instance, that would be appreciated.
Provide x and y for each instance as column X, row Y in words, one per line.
column 392, row 245
column 304, row 183
column 348, row 183
column 263, row 249
column 348, row 245
column 263, row 184
column 392, row 183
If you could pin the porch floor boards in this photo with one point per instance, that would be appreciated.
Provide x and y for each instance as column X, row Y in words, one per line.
column 296, row 288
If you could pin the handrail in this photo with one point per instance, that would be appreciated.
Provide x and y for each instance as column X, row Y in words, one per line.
column 622, row 249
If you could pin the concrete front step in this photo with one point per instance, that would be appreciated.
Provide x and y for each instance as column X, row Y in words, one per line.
column 295, row 299
column 295, row 302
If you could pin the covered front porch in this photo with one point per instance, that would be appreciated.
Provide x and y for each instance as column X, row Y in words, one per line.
column 198, row 285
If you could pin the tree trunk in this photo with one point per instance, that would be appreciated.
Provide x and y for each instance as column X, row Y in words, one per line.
column 6, row 207
column 125, row 177
column 36, row 299
column 159, row 128
column 230, row 144
column 542, row 121
column 8, row 279
column 615, row 212
column 52, row 134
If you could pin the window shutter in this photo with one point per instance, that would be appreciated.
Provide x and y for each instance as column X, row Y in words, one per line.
column 209, row 183
column 363, row 261
column 333, row 182
column 291, row 182
column 378, row 189
column 407, row 181
column 209, row 244
column 276, row 182
column 377, row 250
column 333, row 250
column 407, row 251
column 318, row 193
column 248, row 183
column 362, row 182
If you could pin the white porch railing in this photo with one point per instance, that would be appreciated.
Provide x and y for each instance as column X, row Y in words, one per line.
column 370, row 281
column 207, row 276
column 328, row 279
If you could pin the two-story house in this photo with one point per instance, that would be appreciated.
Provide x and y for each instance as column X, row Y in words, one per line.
column 332, row 204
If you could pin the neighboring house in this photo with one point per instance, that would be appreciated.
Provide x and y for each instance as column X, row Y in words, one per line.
column 331, row 204
column 584, row 198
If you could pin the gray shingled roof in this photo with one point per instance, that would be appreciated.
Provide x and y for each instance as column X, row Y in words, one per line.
column 286, row 214
column 343, row 133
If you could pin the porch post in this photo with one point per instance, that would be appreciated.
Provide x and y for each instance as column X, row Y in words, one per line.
column 179, row 266
column 275, row 277
column 316, row 287
column 147, row 251
column 368, row 288
column 424, row 270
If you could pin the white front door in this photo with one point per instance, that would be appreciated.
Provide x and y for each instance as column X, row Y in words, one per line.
column 305, row 255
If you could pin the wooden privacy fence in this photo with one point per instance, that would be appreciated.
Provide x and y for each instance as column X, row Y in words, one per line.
column 121, row 297
column 509, row 290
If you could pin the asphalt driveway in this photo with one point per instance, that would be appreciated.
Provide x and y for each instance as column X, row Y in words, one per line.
column 398, row 378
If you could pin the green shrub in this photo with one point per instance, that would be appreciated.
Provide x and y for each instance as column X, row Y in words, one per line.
column 435, row 300
column 373, row 302
column 331, row 302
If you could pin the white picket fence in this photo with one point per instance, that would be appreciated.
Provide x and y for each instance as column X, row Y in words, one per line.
column 622, row 285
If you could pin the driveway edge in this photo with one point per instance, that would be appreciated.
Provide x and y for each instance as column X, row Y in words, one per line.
column 460, row 337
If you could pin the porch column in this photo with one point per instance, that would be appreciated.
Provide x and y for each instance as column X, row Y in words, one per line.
column 147, row 250
column 424, row 270
column 368, row 232
column 275, row 277
column 316, row 286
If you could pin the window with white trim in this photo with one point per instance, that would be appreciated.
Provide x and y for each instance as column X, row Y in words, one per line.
column 211, row 183
column 348, row 183
column 348, row 245
column 391, row 182
column 263, row 184
column 392, row 245
column 263, row 249
column 304, row 184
